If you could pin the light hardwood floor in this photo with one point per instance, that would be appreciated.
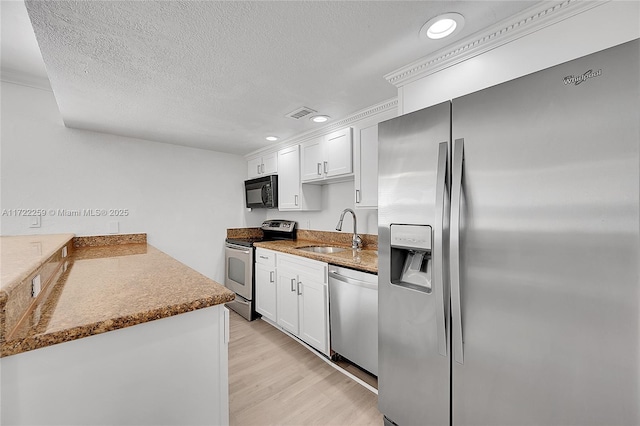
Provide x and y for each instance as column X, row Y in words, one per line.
column 274, row 380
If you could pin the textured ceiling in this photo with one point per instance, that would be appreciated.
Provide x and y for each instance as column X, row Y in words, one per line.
column 223, row 75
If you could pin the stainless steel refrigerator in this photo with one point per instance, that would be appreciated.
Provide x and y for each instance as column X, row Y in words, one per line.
column 509, row 249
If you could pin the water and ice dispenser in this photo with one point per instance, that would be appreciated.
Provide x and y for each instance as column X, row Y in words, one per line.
column 411, row 256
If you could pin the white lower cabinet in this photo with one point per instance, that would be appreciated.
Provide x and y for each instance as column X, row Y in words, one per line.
column 303, row 299
column 312, row 307
column 266, row 299
column 288, row 300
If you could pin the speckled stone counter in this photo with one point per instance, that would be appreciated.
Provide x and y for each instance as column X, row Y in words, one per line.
column 104, row 288
column 364, row 260
column 22, row 254
column 23, row 258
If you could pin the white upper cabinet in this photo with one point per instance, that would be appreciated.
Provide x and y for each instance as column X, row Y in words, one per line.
column 312, row 158
column 366, row 168
column 338, row 152
column 292, row 195
column 328, row 157
column 262, row 166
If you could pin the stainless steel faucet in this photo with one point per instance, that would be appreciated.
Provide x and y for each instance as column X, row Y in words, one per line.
column 356, row 241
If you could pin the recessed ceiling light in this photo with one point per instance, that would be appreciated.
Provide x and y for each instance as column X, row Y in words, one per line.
column 320, row 118
column 272, row 138
column 442, row 26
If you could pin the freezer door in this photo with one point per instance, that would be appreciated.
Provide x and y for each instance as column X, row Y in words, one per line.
column 414, row 367
column 548, row 247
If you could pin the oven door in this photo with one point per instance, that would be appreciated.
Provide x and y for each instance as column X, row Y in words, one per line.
column 238, row 276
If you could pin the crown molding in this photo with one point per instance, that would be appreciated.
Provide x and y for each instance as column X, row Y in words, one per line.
column 372, row 111
column 530, row 20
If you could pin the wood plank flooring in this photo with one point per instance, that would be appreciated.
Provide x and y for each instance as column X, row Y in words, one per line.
column 275, row 380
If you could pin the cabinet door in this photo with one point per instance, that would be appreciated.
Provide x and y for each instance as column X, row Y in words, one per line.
column 367, row 168
column 270, row 163
column 254, row 167
column 312, row 160
column 287, row 300
column 314, row 314
column 266, row 291
column 289, row 178
column 338, row 153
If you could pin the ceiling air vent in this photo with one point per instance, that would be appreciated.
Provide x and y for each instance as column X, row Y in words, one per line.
column 300, row 112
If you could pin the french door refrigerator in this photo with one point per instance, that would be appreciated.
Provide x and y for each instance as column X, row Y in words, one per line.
column 509, row 249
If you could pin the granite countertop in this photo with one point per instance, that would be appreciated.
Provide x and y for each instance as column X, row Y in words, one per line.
column 364, row 260
column 108, row 287
column 22, row 254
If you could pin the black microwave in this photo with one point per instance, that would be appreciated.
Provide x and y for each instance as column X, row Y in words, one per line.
column 261, row 192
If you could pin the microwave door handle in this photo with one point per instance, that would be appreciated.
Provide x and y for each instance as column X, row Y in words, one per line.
column 265, row 195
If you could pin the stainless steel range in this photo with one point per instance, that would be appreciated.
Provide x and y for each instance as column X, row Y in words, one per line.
column 239, row 260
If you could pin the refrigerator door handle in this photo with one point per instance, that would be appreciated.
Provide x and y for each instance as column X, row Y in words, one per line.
column 438, row 248
column 454, row 258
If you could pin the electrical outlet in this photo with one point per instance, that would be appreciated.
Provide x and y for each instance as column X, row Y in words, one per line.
column 36, row 248
column 35, row 286
column 308, row 224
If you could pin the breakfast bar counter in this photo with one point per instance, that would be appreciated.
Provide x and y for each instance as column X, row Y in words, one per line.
column 98, row 316
column 108, row 287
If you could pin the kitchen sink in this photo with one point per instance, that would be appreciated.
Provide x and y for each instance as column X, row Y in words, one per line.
column 322, row 249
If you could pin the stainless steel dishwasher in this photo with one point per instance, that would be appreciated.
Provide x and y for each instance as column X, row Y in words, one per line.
column 353, row 309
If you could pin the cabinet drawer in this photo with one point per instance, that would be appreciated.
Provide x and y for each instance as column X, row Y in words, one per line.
column 265, row 257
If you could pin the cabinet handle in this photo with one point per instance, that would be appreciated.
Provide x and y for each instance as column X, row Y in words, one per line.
column 299, row 288
column 271, row 276
column 258, row 169
column 325, row 167
column 293, row 280
column 319, row 171
column 357, row 196
column 296, row 200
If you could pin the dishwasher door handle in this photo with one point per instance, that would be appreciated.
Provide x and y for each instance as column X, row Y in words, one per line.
column 352, row 281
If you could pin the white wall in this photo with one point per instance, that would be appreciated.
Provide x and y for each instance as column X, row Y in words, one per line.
column 183, row 198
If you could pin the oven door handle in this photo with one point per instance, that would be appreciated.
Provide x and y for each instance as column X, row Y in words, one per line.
column 243, row 250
